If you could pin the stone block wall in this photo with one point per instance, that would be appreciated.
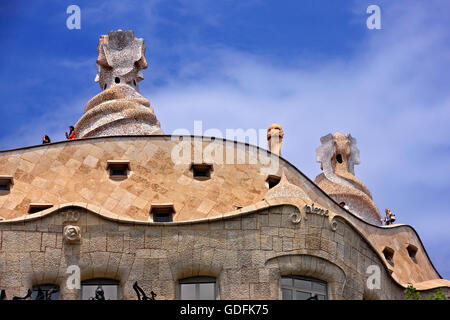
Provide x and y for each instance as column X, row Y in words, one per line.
column 247, row 254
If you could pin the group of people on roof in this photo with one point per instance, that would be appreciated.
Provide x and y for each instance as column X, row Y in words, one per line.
column 388, row 219
column 70, row 136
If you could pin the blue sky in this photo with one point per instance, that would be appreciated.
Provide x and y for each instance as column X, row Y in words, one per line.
column 312, row 66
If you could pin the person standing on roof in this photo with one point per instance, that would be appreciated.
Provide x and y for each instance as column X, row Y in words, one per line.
column 390, row 217
column 72, row 135
column 46, row 139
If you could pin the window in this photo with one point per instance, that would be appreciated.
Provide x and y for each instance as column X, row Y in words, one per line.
column 302, row 288
column 412, row 250
column 162, row 212
column 197, row 288
column 118, row 168
column 273, row 181
column 45, row 292
column 389, row 254
column 100, row 289
column 5, row 183
column 339, row 158
column 202, row 171
column 36, row 207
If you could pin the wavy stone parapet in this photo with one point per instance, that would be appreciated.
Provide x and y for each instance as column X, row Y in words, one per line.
column 119, row 110
column 259, row 245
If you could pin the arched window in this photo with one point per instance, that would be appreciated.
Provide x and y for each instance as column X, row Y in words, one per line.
column 303, row 288
column 197, row 288
column 45, row 292
column 100, row 289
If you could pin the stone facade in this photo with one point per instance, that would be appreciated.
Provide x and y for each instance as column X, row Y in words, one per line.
column 247, row 253
column 260, row 237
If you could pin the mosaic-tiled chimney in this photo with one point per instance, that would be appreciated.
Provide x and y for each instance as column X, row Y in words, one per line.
column 119, row 109
column 338, row 155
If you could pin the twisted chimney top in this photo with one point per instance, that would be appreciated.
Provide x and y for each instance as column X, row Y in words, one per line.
column 119, row 109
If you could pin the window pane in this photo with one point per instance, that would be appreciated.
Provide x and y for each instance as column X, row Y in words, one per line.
column 319, row 287
column 286, row 294
column 162, row 217
column 286, row 282
column 300, row 295
column 110, row 291
column 207, row 291
column 45, row 292
column 187, row 291
column 118, row 172
column 302, row 284
column 299, row 288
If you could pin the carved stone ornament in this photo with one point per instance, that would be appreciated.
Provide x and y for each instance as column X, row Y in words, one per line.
column 72, row 234
column 71, row 216
column 316, row 210
column 285, row 189
column 333, row 224
column 296, row 217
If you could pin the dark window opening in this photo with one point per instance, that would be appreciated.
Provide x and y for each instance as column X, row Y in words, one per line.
column 100, row 289
column 5, row 183
column 4, row 186
column 36, row 207
column 118, row 168
column 201, row 171
column 162, row 217
column 162, row 213
column 118, row 172
column 104, row 87
column 117, row 80
column 273, row 181
column 339, row 158
column 45, row 292
column 412, row 250
column 389, row 254
column 134, row 83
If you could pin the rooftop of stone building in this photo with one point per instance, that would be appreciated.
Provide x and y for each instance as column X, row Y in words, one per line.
column 122, row 167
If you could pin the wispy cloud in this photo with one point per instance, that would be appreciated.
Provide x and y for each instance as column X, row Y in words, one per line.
column 53, row 123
